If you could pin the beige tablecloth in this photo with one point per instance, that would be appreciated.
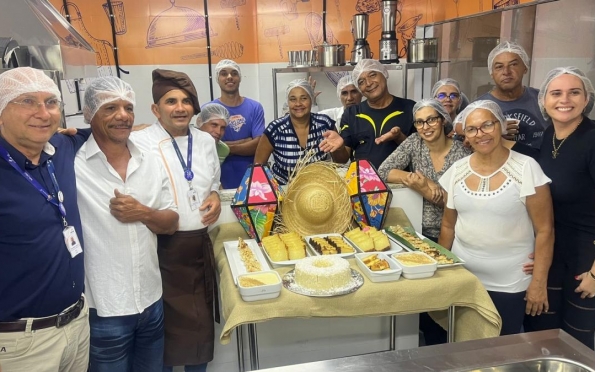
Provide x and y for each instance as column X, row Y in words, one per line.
column 476, row 317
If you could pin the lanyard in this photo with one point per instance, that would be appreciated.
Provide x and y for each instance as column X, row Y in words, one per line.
column 51, row 170
column 187, row 166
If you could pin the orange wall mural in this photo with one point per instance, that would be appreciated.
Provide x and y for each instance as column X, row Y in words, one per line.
column 159, row 32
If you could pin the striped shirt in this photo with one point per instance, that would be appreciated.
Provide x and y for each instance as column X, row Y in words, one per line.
column 286, row 146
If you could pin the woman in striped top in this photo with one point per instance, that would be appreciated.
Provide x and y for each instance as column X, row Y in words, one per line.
column 292, row 136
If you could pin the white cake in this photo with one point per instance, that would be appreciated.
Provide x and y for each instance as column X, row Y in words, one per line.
column 322, row 273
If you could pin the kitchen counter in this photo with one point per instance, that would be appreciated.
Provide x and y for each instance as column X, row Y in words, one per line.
column 544, row 349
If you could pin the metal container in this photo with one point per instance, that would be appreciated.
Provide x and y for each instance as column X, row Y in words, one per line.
column 331, row 55
column 422, row 50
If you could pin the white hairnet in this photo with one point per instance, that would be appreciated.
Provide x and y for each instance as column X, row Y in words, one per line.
column 299, row 83
column 436, row 105
column 104, row 90
column 510, row 47
column 571, row 70
column 21, row 80
column 227, row 63
column 212, row 111
column 366, row 65
column 344, row 82
column 448, row 81
column 458, row 119
column 491, row 106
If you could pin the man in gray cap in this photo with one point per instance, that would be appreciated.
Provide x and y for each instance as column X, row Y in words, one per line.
column 186, row 258
column 508, row 63
column 246, row 124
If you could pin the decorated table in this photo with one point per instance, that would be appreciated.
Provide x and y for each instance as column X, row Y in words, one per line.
column 475, row 316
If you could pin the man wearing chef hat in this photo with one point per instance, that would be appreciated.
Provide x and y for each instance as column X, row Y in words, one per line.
column 186, row 258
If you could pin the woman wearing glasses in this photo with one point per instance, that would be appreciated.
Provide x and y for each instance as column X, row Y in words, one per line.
column 498, row 211
column 428, row 154
column 448, row 93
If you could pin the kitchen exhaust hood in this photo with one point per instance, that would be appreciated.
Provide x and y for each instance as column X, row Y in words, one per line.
column 35, row 34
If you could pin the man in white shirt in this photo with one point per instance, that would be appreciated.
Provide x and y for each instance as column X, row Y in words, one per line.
column 125, row 199
column 348, row 94
column 186, row 258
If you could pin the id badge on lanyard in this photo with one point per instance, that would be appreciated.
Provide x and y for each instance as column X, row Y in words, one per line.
column 70, row 237
column 194, row 200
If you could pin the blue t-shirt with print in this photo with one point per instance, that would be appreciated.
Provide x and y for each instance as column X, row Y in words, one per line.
column 526, row 109
column 245, row 120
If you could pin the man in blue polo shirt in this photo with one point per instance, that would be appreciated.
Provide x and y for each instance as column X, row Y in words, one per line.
column 43, row 316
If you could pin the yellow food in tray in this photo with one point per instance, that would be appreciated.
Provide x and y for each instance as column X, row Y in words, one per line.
column 258, row 280
column 413, row 259
column 248, row 258
column 369, row 239
column 284, row 247
column 421, row 246
column 374, row 263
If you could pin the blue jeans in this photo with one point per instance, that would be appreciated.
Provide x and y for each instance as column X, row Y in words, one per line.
column 196, row 368
column 131, row 343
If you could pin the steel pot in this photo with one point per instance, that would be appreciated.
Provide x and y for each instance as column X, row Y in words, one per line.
column 331, row 55
column 422, row 50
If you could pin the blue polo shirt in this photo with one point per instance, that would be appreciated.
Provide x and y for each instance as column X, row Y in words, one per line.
column 38, row 277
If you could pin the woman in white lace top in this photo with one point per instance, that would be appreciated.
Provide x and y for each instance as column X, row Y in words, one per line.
column 499, row 210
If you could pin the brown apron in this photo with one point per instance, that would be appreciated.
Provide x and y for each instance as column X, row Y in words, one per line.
column 187, row 264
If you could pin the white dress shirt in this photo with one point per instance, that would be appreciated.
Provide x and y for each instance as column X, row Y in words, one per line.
column 205, row 166
column 121, row 267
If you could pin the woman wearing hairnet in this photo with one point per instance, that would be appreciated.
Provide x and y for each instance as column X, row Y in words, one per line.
column 498, row 211
column 289, row 138
column 568, row 158
column 448, row 93
column 428, row 153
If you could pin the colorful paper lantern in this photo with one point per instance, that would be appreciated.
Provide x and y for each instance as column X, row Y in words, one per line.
column 255, row 201
column 370, row 196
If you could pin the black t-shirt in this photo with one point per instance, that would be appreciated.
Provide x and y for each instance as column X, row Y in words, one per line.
column 573, row 176
column 521, row 148
column 361, row 125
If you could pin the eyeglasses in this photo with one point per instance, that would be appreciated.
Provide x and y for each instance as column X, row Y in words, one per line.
column 432, row 121
column 452, row 96
column 487, row 127
column 52, row 104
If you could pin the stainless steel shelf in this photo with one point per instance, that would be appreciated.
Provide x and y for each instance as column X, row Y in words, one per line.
column 402, row 67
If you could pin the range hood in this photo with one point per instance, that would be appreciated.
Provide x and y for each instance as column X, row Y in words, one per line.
column 35, row 34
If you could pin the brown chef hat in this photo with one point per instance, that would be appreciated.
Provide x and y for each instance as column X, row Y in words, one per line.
column 166, row 80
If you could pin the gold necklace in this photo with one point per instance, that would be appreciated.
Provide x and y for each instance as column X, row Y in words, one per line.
column 556, row 149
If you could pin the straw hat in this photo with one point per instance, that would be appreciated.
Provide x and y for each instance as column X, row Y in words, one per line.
column 316, row 201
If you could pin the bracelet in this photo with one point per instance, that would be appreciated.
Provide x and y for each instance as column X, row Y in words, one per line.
column 591, row 275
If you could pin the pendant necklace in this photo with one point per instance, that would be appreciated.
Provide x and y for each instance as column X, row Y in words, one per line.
column 556, row 149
